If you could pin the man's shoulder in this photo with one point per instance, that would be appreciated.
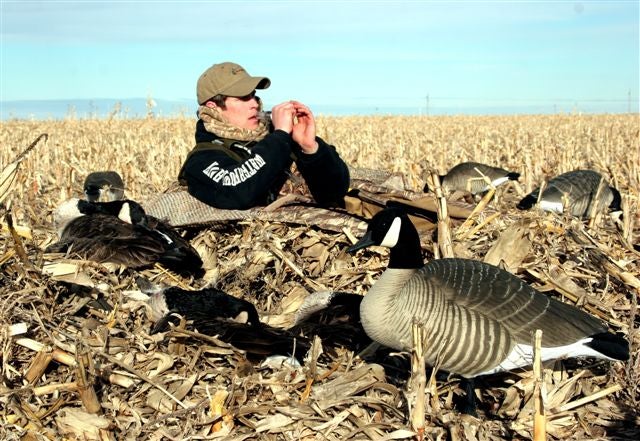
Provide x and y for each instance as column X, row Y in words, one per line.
column 217, row 147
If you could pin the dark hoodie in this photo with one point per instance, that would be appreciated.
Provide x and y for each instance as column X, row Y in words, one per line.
column 231, row 174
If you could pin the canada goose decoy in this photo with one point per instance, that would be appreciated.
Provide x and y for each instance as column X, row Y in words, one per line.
column 120, row 232
column 575, row 192
column 103, row 186
column 232, row 320
column 468, row 176
column 205, row 304
column 478, row 318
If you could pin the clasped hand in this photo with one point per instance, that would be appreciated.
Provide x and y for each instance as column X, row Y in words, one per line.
column 295, row 118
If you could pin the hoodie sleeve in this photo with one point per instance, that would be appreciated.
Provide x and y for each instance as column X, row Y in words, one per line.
column 326, row 174
column 216, row 179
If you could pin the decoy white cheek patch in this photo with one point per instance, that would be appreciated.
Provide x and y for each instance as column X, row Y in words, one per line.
column 242, row 317
column 391, row 238
column 125, row 213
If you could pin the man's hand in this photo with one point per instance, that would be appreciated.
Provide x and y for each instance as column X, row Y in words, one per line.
column 282, row 116
column 304, row 128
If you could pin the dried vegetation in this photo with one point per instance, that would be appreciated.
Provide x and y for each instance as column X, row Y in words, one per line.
column 71, row 370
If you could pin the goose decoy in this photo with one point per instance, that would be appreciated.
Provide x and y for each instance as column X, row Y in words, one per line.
column 120, row 232
column 231, row 319
column 203, row 305
column 478, row 318
column 468, row 176
column 103, row 186
column 575, row 192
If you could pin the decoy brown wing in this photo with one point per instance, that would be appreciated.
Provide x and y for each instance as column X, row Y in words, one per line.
column 259, row 341
column 179, row 255
column 131, row 252
column 104, row 238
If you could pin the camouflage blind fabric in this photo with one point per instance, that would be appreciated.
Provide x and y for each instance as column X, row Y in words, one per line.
column 180, row 209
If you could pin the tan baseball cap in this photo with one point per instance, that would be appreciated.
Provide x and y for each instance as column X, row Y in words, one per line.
column 229, row 79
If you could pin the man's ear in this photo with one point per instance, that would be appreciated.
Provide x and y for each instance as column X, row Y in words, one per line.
column 210, row 104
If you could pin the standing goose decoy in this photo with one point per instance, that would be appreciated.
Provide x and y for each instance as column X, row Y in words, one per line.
column 479, row 319
column 575, row 192
column 119, row 231
column 468, row 176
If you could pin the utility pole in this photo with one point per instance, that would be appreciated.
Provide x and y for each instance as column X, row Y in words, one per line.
column 427, row 98
column 629, row 102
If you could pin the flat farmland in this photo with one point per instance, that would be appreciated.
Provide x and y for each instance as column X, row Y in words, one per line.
column 186, row 386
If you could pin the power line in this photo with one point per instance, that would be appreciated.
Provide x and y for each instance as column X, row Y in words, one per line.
column 511, row 100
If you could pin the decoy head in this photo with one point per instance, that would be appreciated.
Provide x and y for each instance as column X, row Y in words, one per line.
column 156, row 301
column 383, row 230
column 103, row 186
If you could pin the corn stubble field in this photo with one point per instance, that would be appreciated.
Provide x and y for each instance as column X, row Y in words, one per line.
column 76, row 372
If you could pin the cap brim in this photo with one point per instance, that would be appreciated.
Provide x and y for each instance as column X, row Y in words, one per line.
column 246, row 85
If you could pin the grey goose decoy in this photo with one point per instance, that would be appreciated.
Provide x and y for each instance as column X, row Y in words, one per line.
column 468, row 176
column 575, row 192
column 481, row 317
column 120, row 232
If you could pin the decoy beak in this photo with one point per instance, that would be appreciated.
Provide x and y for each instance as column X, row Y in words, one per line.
column 364, row 242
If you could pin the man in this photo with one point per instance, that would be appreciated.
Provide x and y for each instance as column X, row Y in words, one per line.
column 241, row 160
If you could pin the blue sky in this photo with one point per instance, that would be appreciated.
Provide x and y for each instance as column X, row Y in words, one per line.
column 349, row 53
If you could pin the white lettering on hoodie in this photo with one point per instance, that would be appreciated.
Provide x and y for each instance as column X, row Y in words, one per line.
column 236, row 176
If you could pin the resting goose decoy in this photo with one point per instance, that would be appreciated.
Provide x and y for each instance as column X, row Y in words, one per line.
column 128, row 238
column 203, row 305
column 481, row 317
column 120, row 232
column 575, row 192
column 231, row 319
column 467, row 176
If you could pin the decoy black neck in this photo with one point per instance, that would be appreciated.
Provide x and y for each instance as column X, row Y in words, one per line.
column 616, row 203
column 407, row 253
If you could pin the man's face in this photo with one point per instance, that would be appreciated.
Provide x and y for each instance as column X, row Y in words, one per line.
column 242, row 111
